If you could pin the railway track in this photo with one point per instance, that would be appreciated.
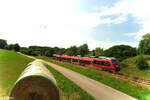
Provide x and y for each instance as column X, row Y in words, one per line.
column 134, row 79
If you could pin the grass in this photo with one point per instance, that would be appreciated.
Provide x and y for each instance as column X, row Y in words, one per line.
column 137, row 91
column 131, row 69
column 11, row 66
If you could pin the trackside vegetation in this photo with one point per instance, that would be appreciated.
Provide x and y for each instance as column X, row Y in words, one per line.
column 130, row 66
column 141, row 63
column 125, row 86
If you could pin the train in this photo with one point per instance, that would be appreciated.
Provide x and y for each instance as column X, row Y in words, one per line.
column 105, row 63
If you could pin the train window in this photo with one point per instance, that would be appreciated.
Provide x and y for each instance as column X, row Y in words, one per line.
column 100, row 62
column 114, row 62
column 94, row 61
column 88, row 62
column 106, row 63
column 81, row 61
column 84, row 61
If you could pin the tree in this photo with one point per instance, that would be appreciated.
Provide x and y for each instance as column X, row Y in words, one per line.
column 120, row 52
column 16, row 47
column 98, row 51
column 144, row 45
column 83, row 50
column 61, row 51
column 72, row 51
column 141, row 63
column 49, row 53
column 3, row 43
column 9, row 47
column 90, row 53
column 24, row 50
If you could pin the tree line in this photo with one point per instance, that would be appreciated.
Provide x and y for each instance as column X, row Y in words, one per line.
column 120, row 52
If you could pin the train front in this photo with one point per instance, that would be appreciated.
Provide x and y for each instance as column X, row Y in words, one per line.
column 116, row 65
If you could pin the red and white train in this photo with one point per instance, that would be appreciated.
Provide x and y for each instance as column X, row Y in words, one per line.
column 107, row 63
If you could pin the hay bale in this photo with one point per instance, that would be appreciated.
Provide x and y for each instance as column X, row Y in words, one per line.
column 35, row 83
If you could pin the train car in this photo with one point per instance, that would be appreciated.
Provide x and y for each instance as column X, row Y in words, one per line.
column 75, row 59
column 58, row 57
column 54, row 57
column 85, row 61
column 106, row 63
column 66, row 58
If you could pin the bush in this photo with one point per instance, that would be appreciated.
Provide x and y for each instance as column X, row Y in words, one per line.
column 123, row 64
column 141, row 63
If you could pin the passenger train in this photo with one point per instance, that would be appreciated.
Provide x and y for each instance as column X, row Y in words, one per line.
column 106, row 63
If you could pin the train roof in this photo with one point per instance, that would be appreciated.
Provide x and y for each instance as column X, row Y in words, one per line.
column 101, row 58
column 87, row 59
column 104, row 58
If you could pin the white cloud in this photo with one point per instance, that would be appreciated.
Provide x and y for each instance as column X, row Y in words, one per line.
column 57, row 23
column 139, row 9
column 44, row 22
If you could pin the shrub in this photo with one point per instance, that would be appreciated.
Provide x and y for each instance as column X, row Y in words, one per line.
column 123, row 64
column 141, row 63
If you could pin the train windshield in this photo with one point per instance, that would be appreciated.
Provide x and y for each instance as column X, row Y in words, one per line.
column 114, row 62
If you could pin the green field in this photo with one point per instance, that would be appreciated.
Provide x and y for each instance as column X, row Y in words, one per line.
column 131, row 69
column 137, row 91
column 11, row 66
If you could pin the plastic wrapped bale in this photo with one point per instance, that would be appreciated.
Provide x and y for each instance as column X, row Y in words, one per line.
column 35, row 83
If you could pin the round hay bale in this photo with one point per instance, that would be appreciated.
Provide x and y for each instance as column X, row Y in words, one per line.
column 35, row 83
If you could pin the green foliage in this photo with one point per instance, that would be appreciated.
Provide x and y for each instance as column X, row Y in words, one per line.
column 91, row 53
column 141, row 63
column 39, row 50
column 123, row 65
column 42, row 51
column 83, row 50
column 49, row 53
column 60, row 51
column 9, row 47
column 16, row 47
column 98, row 52
column 120, row 52
column 24, row 50
column 131, row 68
column 144, row 45
column 3, row 43
column 72, row 51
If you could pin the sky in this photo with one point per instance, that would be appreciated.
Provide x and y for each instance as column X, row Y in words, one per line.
column 62, row 23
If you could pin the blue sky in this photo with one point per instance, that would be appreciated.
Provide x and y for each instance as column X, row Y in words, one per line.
column 90, row 5
column 99, row 23
column 115, row 32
